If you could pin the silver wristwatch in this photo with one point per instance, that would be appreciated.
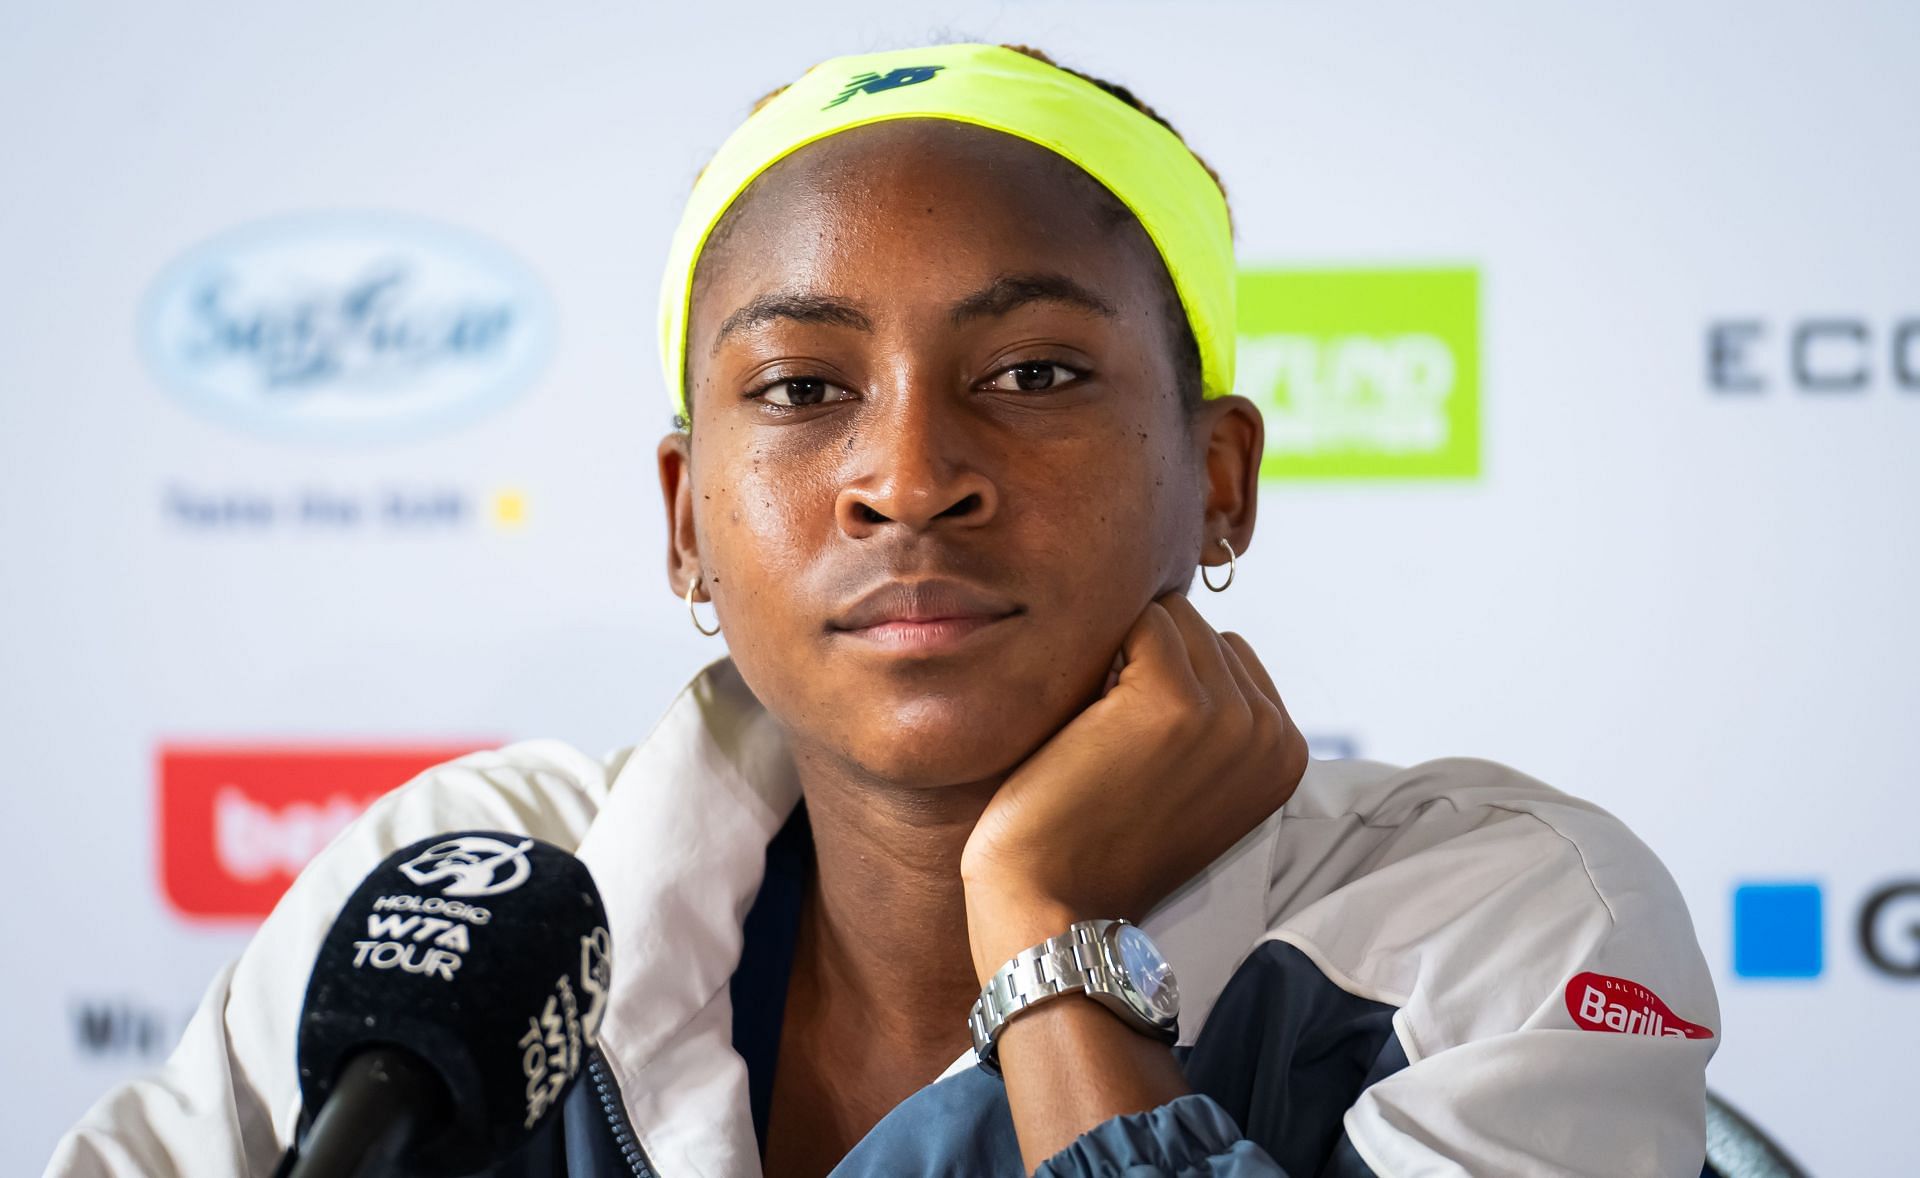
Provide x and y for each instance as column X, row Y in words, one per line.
column 1113, row 961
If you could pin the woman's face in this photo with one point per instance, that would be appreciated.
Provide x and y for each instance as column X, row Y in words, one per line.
column 927, row 361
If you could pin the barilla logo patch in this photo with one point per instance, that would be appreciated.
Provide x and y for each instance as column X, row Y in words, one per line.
column 872, row 83
column 237, row 823
column 1601, row 1003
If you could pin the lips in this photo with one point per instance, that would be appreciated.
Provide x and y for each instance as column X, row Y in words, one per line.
column 922, row 614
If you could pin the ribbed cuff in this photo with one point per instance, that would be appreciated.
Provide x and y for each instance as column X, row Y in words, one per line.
column 1187, row 1137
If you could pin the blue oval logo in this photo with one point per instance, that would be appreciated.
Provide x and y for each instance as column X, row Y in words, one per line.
column 347, row 327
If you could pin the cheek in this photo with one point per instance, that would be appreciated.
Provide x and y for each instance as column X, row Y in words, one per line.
column 1119, row 503
column 760, row 525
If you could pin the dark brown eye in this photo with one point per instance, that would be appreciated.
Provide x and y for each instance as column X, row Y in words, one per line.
column 1033, row 377
column 802, row 390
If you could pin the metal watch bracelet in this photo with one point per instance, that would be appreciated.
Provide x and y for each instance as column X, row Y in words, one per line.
column 1076, row 961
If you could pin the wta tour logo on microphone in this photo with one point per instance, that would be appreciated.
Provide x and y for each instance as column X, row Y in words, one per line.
column 553, row 1049
column 485, row 956
column 478, row 866
column 430, row 934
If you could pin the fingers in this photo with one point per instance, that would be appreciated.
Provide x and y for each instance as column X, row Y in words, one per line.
column 1203, row 647
column 1253, row 666
column 1155, row 648
column 1239, row 669
column 1172, row 638
column 1242, row 653
column 1250, row 691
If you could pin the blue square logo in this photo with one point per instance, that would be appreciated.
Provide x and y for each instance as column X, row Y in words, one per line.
column 1777, row 930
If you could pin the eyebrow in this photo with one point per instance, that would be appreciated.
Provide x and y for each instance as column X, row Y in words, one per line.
column 801, row 308
column 1012, row 291
column 1003, row 295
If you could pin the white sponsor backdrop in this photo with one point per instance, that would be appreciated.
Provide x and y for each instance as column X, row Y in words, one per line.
column 1695, row 607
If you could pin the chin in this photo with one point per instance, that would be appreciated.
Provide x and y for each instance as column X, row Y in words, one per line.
column 934, row 741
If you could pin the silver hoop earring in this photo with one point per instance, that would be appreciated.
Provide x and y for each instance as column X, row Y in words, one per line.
column 691, row 586
column 1222, row 586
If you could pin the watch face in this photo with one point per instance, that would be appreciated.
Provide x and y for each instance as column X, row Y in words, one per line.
column 1147, row 971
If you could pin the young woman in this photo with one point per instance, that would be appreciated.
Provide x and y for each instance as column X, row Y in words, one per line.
column 981, row 852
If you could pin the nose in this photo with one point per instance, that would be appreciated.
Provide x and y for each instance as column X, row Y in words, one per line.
column 915, row 465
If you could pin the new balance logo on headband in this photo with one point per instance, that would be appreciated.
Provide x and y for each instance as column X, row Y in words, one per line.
column 871, row 83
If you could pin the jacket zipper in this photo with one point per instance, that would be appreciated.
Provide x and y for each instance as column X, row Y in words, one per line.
column 616, row 1112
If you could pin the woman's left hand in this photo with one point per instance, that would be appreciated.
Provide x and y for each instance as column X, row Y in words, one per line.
column 1189, row 750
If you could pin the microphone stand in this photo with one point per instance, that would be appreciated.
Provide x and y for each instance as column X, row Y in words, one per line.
column 384, row 1102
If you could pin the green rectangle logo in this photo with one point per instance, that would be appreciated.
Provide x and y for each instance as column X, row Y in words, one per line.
column 1363, row 373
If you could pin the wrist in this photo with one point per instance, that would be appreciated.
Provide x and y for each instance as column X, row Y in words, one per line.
column 1112, row 962
column 1000, row 924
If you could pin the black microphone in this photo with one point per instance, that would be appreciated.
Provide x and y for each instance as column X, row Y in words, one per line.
column 451, row 1008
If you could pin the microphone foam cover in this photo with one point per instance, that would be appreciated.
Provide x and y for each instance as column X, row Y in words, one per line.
column 484, row 954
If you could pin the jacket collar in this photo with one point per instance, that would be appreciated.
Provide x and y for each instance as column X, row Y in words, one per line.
column 678, row 851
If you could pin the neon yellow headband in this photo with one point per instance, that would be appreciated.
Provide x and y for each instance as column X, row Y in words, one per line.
column 1138, row 160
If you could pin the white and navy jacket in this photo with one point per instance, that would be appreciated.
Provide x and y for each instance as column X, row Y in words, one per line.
column 1445, row 969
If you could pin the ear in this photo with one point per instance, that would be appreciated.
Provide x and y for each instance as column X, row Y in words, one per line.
column 1234, row 435
column 676, row 491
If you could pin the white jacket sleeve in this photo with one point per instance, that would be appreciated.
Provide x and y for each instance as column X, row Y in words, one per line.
column 1554, row 1009
column 227, row 1100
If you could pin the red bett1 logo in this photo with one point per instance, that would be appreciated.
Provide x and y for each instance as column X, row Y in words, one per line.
column 238, row 822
